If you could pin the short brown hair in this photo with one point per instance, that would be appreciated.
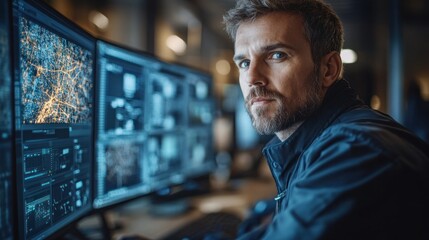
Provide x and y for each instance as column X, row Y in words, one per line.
column 323, row 28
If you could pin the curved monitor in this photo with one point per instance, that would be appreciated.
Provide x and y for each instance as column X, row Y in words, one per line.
column 54, row 89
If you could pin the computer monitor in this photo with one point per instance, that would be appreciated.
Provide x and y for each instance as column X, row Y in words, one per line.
column 154, row 124
column 54, row 64
column 120, row 117
column 181, row 130
column 200, row 110
column 6, row 170
column 180, row 152
column 166, row 124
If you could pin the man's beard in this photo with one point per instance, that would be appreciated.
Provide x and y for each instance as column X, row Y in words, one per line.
column 284, row 117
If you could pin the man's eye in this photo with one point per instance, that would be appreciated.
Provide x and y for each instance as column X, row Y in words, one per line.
column 278, row 55
column 244, row 64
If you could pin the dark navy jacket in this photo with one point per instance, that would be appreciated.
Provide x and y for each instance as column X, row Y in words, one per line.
column 349, row 172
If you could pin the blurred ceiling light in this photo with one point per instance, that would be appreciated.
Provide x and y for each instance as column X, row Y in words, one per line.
column 223, row 67
column 348, row 56
column 424, row 85
column 99, row 20
column 375, row 102
column 176, row 44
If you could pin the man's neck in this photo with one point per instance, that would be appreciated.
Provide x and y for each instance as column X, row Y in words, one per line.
column 285, row 134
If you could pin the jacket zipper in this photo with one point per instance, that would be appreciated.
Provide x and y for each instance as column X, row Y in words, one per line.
column 279, row 197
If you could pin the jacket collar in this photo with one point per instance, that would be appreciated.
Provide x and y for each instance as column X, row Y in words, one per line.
column 283, row 156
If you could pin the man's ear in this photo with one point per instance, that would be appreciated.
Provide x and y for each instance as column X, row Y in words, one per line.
column 330, row 68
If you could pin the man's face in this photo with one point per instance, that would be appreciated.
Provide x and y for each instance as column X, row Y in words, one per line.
column 278, row 78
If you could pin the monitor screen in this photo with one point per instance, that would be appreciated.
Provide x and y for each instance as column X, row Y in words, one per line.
column 6, row 229
column 166, row 124
column 201, row 113
column 185, row 121
column 121, row 136
column 54, row 81
column 154, row 124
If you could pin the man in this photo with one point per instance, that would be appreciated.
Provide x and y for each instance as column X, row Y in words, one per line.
column 342, row 170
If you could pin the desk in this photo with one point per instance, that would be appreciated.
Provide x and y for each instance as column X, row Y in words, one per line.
column 136, row 219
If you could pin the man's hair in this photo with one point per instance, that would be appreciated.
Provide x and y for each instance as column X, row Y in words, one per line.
column 323, row 28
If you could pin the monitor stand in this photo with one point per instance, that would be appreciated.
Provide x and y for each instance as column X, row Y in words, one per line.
column 72, row 232
column 173, row 201
column 77, row 234
column 106, row 228
column 103, row 229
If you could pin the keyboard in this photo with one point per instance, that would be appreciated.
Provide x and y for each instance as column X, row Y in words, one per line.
column 210, row 226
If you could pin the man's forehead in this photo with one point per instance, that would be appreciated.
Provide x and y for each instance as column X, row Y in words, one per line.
column 270, row 29
column 271, row 23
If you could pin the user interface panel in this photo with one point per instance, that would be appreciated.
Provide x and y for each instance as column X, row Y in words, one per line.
column 54, row 90
column 182, row 128
column 121, row 140
column 154, row 124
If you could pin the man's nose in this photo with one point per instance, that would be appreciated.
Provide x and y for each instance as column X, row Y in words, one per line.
column 256, row 74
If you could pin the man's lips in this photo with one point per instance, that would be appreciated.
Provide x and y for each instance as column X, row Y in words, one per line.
column 260, row 100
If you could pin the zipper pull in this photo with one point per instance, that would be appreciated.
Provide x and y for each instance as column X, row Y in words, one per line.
column 277, row 198
column 280, row 195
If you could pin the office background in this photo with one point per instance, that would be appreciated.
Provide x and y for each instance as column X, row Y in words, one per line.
column 388, row 36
